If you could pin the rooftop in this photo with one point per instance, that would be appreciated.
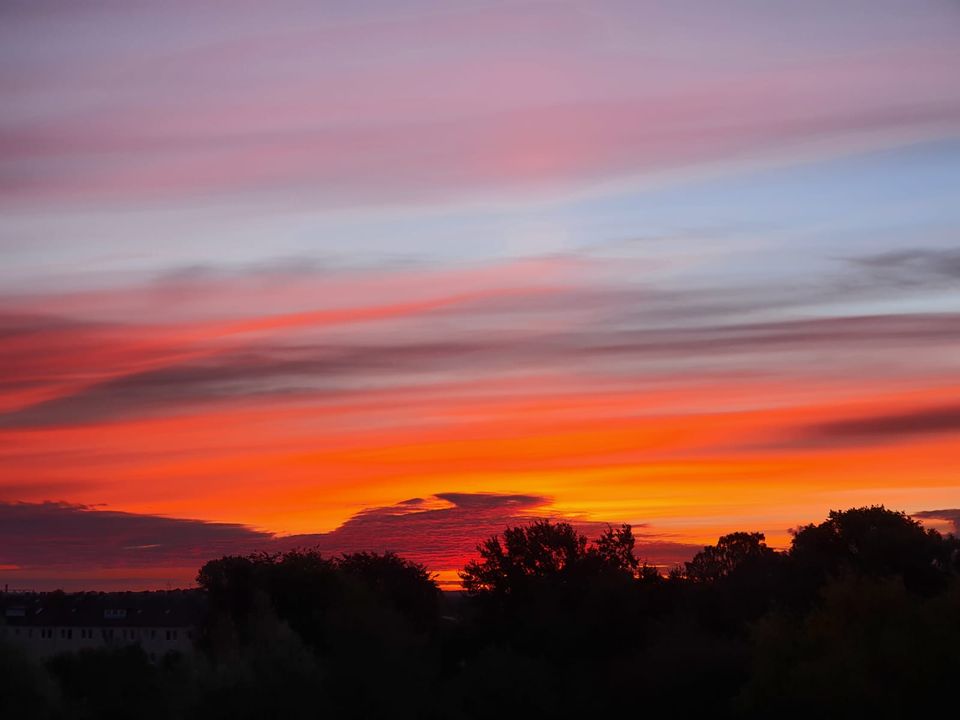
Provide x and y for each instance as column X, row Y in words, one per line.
column 170, row 608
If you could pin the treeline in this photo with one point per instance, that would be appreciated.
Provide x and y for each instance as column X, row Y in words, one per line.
column 860, row 617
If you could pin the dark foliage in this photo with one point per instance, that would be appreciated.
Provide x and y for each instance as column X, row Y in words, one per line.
column 132, row 681
column 860, row 617
column 874, row 542
column 869, row 649
column 366, row 618
column 26, row 690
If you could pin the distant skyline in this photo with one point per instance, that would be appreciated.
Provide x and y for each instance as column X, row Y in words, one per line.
column 385, row 275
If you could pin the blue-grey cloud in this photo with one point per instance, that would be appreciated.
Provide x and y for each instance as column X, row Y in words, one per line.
column 913, row 266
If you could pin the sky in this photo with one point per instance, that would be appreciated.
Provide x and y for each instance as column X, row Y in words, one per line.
column 392, row 276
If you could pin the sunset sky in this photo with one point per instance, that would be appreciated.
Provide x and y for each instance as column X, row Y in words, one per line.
column 392, row 275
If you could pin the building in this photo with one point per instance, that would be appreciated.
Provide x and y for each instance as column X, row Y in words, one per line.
column 48, row 624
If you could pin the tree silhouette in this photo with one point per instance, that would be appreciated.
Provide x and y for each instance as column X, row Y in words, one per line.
column 546, row 551
column 732, row 553
column 875, row 542
column 737, row 580
column 545, row 591
column 615, row 551
column 542, row 549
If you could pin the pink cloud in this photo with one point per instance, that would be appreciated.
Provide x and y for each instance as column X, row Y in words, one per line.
column 429, row 108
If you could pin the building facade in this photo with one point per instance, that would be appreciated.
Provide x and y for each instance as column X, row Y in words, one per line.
column 47, row 624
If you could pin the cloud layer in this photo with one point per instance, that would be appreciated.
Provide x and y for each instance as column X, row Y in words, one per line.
column 281, row 267
column 290, row 398
column 300, row 102
column 40, row 541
